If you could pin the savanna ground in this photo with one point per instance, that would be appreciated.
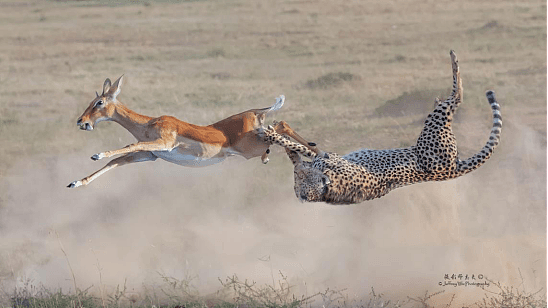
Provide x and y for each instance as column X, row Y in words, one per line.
column 355, row 74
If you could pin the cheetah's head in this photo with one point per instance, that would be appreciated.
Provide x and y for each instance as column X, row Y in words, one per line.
column 310, row 183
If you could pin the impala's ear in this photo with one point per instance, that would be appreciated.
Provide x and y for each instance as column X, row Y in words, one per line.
column 106, row 86
column 116, row 87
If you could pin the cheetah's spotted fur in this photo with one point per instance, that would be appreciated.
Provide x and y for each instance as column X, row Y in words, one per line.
column 367, row 174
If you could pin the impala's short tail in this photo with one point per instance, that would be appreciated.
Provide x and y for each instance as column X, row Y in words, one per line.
column 479, row 158
column 280, row 100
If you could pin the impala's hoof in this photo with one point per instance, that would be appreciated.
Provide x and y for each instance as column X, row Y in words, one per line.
column 75, row 184
column 98, row 156
column 312, row 144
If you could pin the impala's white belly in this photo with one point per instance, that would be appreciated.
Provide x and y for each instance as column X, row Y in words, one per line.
column 194, row 154
column 187, row 160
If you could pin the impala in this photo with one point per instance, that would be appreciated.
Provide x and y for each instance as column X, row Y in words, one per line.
column 176, row 141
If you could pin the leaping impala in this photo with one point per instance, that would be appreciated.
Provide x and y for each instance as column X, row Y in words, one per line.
column 176, row 141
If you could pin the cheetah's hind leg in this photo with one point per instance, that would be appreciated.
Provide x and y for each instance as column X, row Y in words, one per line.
column 436, row 146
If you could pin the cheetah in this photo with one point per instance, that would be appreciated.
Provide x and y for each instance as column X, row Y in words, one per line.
column 368, row 174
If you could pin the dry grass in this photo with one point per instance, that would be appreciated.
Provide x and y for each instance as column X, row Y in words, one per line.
column 234, row 292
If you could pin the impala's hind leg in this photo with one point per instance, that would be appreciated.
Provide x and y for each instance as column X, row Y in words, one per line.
column 271, row 136
column 264, row 157
column 119, row 161
column 284, row 129
column 436, row 146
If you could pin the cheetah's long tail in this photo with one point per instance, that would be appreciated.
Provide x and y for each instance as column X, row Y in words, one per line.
column 485, row 153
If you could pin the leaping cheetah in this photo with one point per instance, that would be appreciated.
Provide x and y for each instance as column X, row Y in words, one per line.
column 367, row 174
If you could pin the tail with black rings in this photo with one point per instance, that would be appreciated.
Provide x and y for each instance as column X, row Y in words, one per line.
column 474, row 162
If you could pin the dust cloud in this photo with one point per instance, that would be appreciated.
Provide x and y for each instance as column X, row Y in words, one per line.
column 240, row 217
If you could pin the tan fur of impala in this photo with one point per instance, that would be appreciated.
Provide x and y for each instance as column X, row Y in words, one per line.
column 176, row 141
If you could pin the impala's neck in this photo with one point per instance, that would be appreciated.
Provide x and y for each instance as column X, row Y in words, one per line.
column 129, row 119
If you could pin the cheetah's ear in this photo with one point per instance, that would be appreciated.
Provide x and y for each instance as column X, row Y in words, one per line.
column 323, row 154
column 328, row 174
column 325, row 180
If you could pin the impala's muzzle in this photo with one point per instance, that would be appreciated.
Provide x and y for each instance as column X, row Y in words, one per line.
column 84, row 125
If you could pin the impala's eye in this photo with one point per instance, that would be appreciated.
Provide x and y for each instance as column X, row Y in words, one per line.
column 98, row 103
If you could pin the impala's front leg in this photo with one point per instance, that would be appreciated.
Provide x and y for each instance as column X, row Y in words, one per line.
column 120, row 161
column 157, row 145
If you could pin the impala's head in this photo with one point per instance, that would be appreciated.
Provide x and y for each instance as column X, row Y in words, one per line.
column 102, row 107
